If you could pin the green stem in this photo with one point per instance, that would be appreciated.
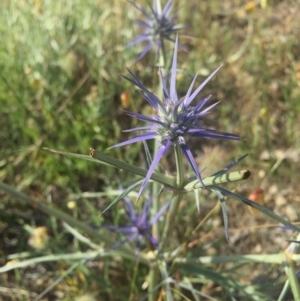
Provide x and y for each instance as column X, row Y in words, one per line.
column 179, row 166
column 154, row 271
column 177, row 196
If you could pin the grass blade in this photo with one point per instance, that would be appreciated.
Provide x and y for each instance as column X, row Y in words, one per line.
column 260, row 208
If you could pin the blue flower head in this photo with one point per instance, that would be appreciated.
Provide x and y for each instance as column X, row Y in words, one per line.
column 176, row 120
column 156, row 27
column 139, row 225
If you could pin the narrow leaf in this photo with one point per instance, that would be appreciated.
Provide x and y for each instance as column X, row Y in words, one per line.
column 197, row 199
column 148, row 154
column 260, row 208
column 229, row 166
column 123, row 194
column 102, row 158
column 224, row 212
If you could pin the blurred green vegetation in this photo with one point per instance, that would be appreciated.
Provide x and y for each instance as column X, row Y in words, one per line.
column 60, row 87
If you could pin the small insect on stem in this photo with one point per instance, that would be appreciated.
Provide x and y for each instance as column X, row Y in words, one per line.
column 92, row 152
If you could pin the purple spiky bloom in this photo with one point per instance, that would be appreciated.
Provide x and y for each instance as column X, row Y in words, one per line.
column 176, row 120
column 156, row 27
column 139, row 225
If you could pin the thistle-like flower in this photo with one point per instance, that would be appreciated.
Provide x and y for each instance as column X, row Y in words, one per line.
column 157, row 27
column 176, row 120
column 139, row 225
